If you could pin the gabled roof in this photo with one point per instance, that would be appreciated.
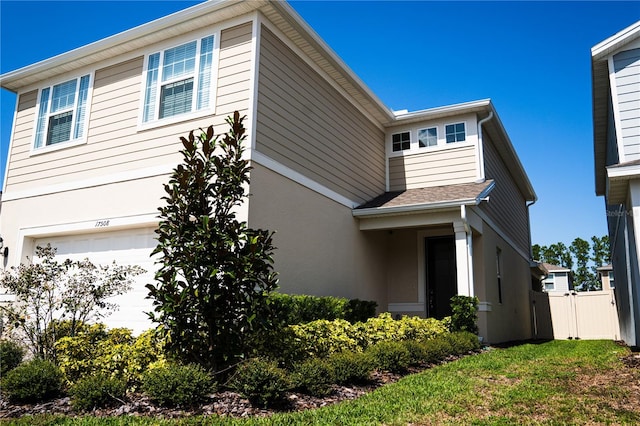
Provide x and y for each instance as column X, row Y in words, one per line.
column 600, row 95
column 421, row 199
column 555, row 268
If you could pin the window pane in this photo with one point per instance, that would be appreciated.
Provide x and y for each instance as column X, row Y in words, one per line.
column 64, row 96
column 204, row 75
column 82, row 106
column 401, row 141
column 455, row 132
column 42, row 118
column 59, row 128
column 179, row 61
column 150, row 92
column 428, row 137
column 176, row 98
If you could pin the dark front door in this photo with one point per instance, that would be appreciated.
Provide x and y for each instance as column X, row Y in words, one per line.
column 441, row 275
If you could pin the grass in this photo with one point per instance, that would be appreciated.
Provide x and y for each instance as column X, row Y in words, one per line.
column 559, row 382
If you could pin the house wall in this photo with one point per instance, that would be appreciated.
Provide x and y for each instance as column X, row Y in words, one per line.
column 320, row 249
column 306, row 125
column 114, row 143
column 561, row 282
column 444, row 164
column 442, row 167
column 506, row 206
column 511, row 319
column 626, row 66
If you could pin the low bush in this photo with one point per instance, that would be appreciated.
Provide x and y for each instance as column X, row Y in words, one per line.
column 114, row 353
column 351, row 367
column 436, row 350
column 34, row 381
column 292, row 309
column 390, row 356
column 417, row 352
column 464, row 314
column 360, row 310
column 97, row 391
column 314, row 377
column 261, row 381
column 177, row 385
column 462, row 342
column 11, row 354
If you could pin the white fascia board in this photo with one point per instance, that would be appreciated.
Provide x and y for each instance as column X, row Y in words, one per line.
column 413, row 208
column 623, row 172
column 442, row 111
column 613, row 43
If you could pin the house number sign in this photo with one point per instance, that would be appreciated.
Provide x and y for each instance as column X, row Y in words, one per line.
column 102, row 223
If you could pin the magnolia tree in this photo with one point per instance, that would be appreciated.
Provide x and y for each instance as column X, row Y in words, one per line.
column 215, row 272
column 49, row 293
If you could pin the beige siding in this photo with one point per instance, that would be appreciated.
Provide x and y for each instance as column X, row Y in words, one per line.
column 507, row 207
column 306, row 125
column 114, row 142
column 445, row 167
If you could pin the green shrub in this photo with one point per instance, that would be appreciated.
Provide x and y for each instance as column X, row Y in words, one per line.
column 177, row 385
column 462, row 342
column 360, row 310
column 34, row 381
column 384, row 327
column 436, row 350
column 417, row 352
column 322, row 338
column 97, row 391
column 390, row 356
column 351, row 367
column 114, row 353
column 11, row 354
column 314, row 376
column 261, row 381
column 464, row 314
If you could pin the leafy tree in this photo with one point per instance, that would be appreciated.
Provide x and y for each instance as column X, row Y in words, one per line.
column 583, row 278
column 215, row 272
column 48, row 293
column 555, row 254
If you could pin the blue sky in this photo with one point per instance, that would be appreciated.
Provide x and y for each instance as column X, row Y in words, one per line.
column 531, row 58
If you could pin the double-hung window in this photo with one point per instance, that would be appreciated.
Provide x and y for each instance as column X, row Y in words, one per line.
column 455, row 132
column 179, row 80
column 62, row 112
column 550, row 282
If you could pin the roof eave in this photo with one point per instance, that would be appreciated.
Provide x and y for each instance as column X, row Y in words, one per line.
column 413, row 208
column 124, row 41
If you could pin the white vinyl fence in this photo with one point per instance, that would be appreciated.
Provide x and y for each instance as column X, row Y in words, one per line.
column 575, row 315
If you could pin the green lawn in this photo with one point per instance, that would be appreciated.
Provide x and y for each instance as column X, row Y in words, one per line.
column 561, row 382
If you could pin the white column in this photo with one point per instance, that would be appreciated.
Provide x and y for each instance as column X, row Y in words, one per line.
column 462, row 259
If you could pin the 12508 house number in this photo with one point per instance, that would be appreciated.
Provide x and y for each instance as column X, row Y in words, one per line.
column 102, row 223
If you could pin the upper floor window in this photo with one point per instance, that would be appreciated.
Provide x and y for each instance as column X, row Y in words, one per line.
column 62, row 112
column 612, row 283
column 179, row 80
column 428, row 137
column 455, row 132
column 550, row 282
column 401, row 141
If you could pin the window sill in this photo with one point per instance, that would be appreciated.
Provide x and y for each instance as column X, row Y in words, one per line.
column 428, row 149
column 181, row 118
column 56, row 147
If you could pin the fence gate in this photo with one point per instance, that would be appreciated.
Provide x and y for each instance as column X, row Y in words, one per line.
column 575, row 315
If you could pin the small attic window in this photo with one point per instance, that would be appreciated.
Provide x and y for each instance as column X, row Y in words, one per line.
column 455, row 132
column 401, row 141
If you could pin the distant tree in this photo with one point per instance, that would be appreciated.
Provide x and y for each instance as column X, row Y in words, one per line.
column 583, row 278
column 555, row 254
column 215, row 272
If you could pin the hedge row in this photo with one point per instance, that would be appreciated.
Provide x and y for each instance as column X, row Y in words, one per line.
column 292, row 309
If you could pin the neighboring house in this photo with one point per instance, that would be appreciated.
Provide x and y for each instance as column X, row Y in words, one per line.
column 407, row 209
column 606, row 278
column 557, row 279
column 615, row 65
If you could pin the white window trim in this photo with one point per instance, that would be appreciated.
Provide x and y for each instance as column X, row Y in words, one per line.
column 550, row 279
column 213, row 90
column 411, row 141
column 466, row 132
column 71, row 142
column 419, row 129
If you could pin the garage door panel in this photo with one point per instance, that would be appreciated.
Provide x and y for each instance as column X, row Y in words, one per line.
column 126, row 247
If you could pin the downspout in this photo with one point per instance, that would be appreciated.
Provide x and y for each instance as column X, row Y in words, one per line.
column 480, row 148
column 467, row 231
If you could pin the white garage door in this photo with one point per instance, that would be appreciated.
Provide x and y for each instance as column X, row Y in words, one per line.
column 126, row 247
